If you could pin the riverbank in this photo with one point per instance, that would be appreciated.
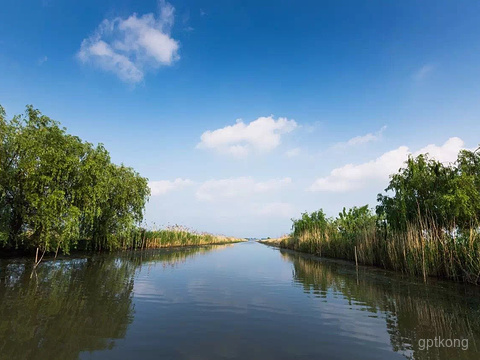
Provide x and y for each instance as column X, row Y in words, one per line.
column 411, row 253
column 274, row 241
column 138, row 239
column 178, row 237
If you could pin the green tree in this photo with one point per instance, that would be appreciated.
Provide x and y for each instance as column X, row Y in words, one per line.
column 56, row 190
column 420, row 190
column 355, row 221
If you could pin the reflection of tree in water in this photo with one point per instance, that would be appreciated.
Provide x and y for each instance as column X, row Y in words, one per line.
column 73, row 305
column 64, row 308
column 169, row 257
column 413, row 310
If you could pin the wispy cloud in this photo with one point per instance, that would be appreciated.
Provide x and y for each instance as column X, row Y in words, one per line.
column 262, row 134
column 130, row 47
column 423, row 72
column 186, row 22
column 42, row 60
column 162, row 187
column 362, row 139
column 353, row 177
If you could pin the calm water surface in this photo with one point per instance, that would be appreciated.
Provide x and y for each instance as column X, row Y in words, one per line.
column 243, row 301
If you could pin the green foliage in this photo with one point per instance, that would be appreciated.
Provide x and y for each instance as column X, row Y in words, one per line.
column 315, row 233
column 56, row 189
column 426, row 224
column 448, row 196
column 354, row 221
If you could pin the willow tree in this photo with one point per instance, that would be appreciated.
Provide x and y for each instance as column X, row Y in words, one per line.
column 120, row 206
column 56, row 189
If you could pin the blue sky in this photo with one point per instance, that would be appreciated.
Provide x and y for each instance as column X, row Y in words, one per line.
column 332, row 96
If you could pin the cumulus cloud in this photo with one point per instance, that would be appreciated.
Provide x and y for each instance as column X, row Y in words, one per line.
column 162, row 187
column 212, row 190
column 363, row 139
column 130, row 47
column 352, row 177
column 262, row 134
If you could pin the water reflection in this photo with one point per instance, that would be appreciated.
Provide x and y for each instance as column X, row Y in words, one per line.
column 68, row 306
column 240, row 303
column 412, row 310
column 168, row 257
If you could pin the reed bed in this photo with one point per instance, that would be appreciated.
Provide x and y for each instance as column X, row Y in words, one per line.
column 174, row 236
column 421, row 250
column 274, row 241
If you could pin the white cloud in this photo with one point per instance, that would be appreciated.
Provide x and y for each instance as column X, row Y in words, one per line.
column 423, row 72
column 351, row 177
column 262, row 134
column 162, row 187
column 212, row 190
column 363, row 139
column 292, row 152
column 130, row 47
column 447, row 153
column 274, row 209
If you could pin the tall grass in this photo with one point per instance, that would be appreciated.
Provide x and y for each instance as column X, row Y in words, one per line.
column 423, row 249
column 170, row 237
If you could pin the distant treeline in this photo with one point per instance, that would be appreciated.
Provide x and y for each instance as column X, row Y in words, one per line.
column 58, row 192
column 426, row 223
